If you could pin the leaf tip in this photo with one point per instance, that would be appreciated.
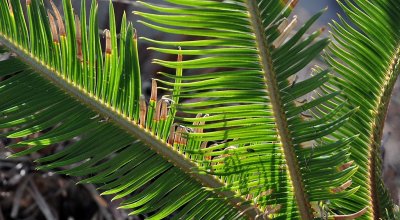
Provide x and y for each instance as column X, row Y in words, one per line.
column 108, row 41
column 345, row 166
column 53, row 27
column 78, row 37
column 60, row 24
column 153, row 96
column 143, row 111
column 351, row 216
column 341, row 188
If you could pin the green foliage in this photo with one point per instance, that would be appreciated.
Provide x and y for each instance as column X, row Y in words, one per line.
column 244, row 145
column 367, row 59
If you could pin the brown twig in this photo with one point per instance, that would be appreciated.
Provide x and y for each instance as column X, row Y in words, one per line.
column 41, row 202
column 18, row 196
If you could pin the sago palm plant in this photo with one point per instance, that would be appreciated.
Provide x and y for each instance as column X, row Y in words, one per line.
column 235, row 139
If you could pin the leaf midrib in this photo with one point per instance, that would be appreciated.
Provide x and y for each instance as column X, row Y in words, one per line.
column 153, row 142
column 280, row 117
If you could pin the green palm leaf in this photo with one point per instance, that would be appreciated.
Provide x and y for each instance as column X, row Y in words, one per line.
column 242, row 150
column 261, row 143
column 367, row 59
column 71, row 87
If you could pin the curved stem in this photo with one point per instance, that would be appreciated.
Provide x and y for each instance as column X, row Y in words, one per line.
column 374, row 165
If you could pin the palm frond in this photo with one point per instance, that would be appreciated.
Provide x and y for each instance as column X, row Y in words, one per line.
column 61, row 81
column 234, row 139
column 246, row 122
column 366, row 56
